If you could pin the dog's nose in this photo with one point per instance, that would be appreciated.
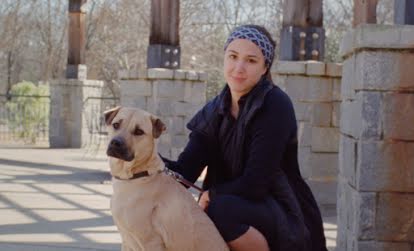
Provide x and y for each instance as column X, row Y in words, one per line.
column 116, row 142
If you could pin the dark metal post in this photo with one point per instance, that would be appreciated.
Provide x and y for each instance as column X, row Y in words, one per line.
column 365, row 12
column 164, row 48
column 76, row 54
column 404, row 12
column 302, row 36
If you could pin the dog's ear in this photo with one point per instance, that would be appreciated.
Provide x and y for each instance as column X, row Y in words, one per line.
column 157, row 127
column 110, row 114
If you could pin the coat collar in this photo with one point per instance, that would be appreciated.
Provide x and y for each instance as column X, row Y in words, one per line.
column 207, row 120
column 253, row 99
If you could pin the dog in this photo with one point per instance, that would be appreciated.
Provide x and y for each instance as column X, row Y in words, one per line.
column 151, row 210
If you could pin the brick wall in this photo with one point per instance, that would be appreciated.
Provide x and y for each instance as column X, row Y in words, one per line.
column 173, row 95
column 376, row 160
column 314, row 88
column 67, row 124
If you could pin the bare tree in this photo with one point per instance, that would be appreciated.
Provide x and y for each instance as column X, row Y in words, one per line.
column 51, row 22
column 34, row 35
column 338, row 16
column 14, row 24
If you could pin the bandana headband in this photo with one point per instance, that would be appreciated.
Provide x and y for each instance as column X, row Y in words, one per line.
column 254, row 35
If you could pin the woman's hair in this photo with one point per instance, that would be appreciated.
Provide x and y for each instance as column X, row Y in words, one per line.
column 265, row 32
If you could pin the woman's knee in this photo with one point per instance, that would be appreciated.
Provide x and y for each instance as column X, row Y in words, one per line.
column 222, row 210
column 221, row 206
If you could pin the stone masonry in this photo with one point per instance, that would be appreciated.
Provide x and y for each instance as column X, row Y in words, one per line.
column 376, row 151
column 314, row 88
column 68, row 127
column 172, row 95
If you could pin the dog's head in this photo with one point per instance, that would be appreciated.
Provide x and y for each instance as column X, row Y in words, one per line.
column 132, row 133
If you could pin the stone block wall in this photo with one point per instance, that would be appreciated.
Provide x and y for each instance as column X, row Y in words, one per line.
column 376, row 160
column 67, row 125
column 314, row 88
column 173, row 95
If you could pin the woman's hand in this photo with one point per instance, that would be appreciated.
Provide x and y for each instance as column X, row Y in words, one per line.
column 204, row 200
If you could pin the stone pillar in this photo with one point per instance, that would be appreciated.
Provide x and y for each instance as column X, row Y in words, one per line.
column 376, row 159
column 314, row 88
column 173, row 95
column 66, row 122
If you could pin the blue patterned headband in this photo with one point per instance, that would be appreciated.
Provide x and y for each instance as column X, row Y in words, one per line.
column 254, row 35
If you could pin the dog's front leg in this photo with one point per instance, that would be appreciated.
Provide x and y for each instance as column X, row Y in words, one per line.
column 129, row 243
column 126, row 248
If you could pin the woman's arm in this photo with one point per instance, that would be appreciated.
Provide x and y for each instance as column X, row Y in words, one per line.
column 192, row 160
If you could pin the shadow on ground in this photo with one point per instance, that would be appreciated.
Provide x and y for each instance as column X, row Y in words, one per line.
column 46, row 206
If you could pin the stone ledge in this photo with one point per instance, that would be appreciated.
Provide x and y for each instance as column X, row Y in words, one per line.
column 315, row 68
column 180, row 74
column 93, row 83
column 290, row 67
column 377, row 36
column 162, row 73
column 130, row 74
column 309, row 68
column 334, row 69
column 75, row 82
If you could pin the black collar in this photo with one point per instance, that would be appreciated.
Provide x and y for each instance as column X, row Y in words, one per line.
column 135, row 176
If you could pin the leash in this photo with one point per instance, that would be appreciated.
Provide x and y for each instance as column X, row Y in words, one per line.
column 176, row 176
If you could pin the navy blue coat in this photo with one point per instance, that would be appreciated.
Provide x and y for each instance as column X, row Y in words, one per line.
column 263, row 154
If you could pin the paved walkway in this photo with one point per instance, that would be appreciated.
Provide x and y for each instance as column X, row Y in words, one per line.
column 58, row 200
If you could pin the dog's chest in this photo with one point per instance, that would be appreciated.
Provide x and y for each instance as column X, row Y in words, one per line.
column 132, row 208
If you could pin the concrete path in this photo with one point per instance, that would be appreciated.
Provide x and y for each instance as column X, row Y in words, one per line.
column 58, row 200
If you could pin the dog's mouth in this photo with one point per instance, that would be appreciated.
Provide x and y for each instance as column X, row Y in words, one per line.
column 120, row 154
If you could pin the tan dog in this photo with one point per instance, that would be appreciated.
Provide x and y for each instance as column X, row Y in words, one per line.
column 152, row 212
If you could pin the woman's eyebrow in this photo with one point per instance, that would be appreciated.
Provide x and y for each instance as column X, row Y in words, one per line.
column 249, row 56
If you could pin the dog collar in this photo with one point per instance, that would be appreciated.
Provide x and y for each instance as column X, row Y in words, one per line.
column 137, row 175
column 178, row 177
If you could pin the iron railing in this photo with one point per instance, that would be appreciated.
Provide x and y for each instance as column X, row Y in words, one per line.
column 24, row 119
column 94, row 122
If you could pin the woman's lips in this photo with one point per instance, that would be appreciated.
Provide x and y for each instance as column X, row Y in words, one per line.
column 238, row 79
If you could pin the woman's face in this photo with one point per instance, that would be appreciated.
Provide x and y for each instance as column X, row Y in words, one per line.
column 244, row 64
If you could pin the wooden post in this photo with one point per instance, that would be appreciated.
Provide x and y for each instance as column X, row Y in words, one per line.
column 404, row 12
column 76, row 48
column 365, row 11
column 164, row 48
column 302, row 13
column 302, row 36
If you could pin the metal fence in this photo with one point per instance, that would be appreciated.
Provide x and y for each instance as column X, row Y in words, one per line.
column 24, row 119
column 94, row 122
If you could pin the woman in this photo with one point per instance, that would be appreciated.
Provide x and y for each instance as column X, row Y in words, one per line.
column 247, row 136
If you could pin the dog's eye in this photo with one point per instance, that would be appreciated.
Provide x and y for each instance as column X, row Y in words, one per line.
column 115, row 125
column 138, row 131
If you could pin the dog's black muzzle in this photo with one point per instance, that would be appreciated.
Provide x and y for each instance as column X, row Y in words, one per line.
column 118, row 149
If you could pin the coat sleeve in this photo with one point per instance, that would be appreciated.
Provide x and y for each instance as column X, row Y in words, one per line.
column 192, row 160
column 195, row 157
column 271, row 130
